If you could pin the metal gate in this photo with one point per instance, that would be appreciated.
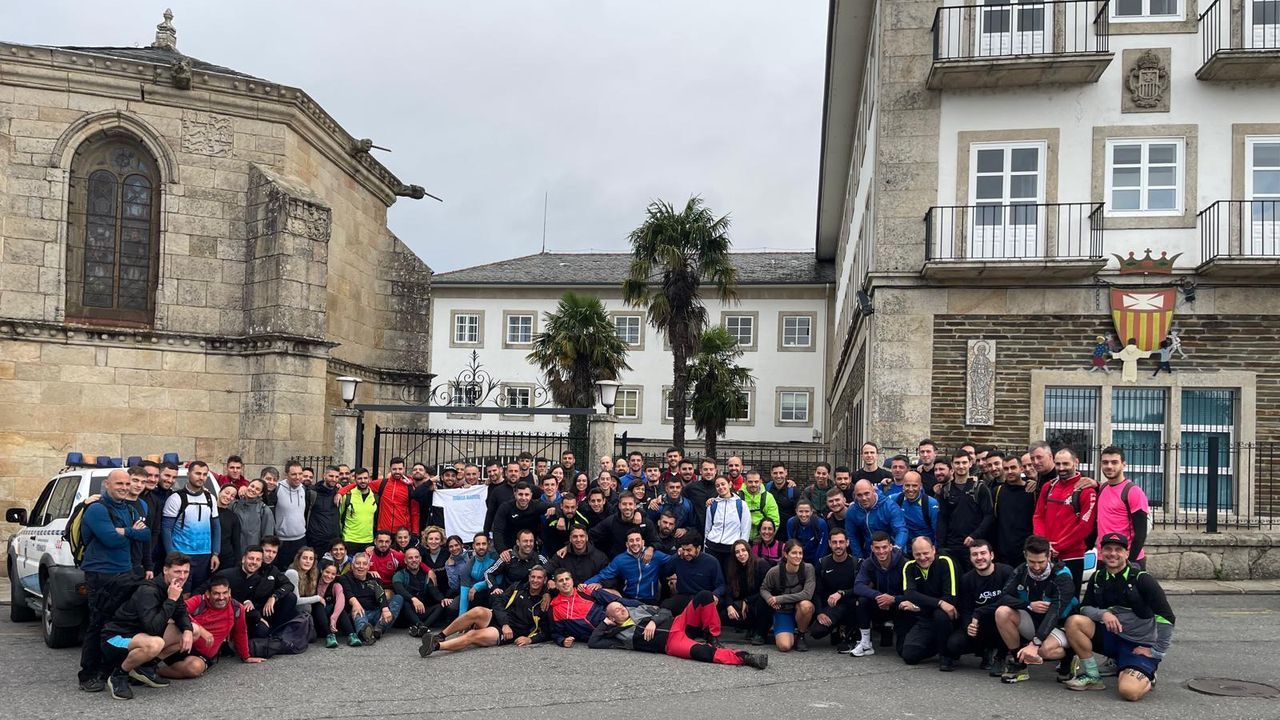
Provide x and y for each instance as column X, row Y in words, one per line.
column 437, row 448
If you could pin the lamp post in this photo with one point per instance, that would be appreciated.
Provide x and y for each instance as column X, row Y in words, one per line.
column 347, row 386
column 607, row 393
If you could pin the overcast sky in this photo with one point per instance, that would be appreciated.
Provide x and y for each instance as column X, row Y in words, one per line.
column 604, row 105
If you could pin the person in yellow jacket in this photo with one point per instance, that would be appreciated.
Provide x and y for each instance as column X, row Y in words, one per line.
column 357, row 510
column 759, row 501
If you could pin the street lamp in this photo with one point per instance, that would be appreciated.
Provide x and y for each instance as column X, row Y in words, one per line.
column 347, row 385
column 607, row 392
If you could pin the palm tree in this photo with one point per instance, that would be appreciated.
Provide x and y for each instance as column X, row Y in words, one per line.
column 578, row 346
column 673, row 253
column 718, row 392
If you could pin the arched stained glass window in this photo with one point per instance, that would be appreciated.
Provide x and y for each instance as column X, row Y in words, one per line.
column 113, row 238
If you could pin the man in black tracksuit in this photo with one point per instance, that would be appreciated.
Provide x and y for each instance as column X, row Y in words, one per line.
column 1013, row 505
column 138, row 631
column 611, row 535
column 501, row 493
column 929, row 605
column 580, row 557
column 520, row 513
column 980, row 592
column 836, row 602
column 524, row 614
column 514, row 565
column 267, row 595
column 964, row 510
column 323, row 525
column 412, row 583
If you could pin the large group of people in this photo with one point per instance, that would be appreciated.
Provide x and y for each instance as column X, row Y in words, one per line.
column 977, row 552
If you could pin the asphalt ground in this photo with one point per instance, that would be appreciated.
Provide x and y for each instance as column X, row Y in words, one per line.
column 1217, row 636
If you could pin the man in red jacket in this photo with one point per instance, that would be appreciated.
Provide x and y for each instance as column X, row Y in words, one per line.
column 216, row 618
column 1064, row 513
column 396, row 507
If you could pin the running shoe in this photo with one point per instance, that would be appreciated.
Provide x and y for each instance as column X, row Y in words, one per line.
column 144, row 675
column 1085, row 683
column 863, row 649
column 1014, row 672
column 119, row 686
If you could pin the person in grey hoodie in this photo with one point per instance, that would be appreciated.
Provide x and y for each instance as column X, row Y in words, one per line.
column 293, row 507
column 256, row 519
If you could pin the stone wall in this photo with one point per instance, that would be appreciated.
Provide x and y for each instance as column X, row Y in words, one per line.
column 1229, row 555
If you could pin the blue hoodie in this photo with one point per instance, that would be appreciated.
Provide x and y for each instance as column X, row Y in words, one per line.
column 105, row 550
column 874, row 580
column 883, row 516
column 913, row 513
column 639, row 581
column 813, row 536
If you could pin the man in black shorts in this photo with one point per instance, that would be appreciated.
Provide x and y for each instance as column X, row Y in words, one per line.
column 518, row 619
column 153, row 623
column 837, row 604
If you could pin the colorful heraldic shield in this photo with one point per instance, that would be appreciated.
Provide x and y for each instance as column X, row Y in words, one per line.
column 1143, row 314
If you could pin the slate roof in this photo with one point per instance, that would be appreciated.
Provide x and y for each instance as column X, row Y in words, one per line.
column 754, row 268
column 160, row 56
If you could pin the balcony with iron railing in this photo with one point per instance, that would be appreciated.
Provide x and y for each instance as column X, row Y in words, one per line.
column 1013, row 241
column 1240, row 40
column 1240, row 238
column 1053, row 42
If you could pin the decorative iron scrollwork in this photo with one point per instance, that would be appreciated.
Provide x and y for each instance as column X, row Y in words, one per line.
column 474, row 386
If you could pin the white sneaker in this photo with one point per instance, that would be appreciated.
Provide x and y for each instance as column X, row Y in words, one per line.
column 863, row 649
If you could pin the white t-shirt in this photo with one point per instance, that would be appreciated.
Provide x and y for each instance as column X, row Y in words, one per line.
column 464, row 510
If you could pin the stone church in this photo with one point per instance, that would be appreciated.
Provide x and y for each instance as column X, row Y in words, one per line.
column 189, row 257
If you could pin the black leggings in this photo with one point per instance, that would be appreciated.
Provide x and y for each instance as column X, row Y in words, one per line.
column 759, row 616
column 320, row 615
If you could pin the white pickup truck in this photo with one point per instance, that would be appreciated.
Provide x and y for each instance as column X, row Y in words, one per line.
column 44, row 581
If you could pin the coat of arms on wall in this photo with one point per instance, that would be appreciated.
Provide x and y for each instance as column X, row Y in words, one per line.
column 1143, row 315
column 1148, row 83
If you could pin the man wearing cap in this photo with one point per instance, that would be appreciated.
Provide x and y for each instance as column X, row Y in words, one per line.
column 1125, row 616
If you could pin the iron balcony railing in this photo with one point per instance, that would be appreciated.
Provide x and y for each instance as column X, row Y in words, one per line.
column 1234, row 228
column 1014, row 231
column 1254, row 25
column 1020, row 29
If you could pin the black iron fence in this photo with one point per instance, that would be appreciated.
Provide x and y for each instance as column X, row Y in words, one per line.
column 1206, row 483
column 315, row 462
column 1014, row 231
column 1018, row 28
column 800, row 458
column 435, row 448
column 1230, row 228
column 1257, row 28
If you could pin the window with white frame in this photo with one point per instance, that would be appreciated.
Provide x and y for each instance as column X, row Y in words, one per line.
column 742, row 328
column 1144, row 177
column 629, row 329
column 1006, row 188
column 464, row 394
column 1135, row 10
column 793, row 406
column 797, row 331
column 627, row 404
column 668, row 412
column 516, row 397
column 1206, row 413
column 519, row 329
column 745, row 417
column 466, row 329
column 1262, row 190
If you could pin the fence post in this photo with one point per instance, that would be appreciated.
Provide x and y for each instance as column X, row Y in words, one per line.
column 377, row 448
column 359, row 442
column 1211, row 501
column 346, row 426
column 624, row 443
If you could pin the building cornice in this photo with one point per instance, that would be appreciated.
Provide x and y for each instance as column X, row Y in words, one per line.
column 386, row 376
column 140, row 338
column 92, row 73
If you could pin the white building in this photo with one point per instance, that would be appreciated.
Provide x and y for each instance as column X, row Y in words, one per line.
column 985, row 162
column 495, row 310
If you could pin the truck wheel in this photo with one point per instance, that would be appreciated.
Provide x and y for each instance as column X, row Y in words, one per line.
column 19, row 610
column 55, row 636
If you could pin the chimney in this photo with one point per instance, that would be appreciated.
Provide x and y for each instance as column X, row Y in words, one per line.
column 166, row 36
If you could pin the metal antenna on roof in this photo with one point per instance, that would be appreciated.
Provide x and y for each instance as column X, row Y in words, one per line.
column 545, row 197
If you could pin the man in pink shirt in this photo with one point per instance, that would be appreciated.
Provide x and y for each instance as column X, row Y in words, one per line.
column 1122, row 505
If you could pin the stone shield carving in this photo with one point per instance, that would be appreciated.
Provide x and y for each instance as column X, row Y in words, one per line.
column 1148, row 81
column 980, row 383
column 207, row 134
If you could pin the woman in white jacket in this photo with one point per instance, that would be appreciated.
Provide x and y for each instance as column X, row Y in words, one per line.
column 728, row 521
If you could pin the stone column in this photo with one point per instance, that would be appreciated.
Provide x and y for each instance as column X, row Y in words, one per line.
column 344, row 435
column 600, row 436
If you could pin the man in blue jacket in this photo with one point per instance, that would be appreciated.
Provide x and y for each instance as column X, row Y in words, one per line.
column 675, row 503
column 879, row 588
column 919, row 511
column 871, row 513
column 640, row 579
column 693, row 571
column 108, row 529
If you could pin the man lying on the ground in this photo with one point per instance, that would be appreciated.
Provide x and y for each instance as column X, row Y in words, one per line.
column 646, row 628
column 520, row 620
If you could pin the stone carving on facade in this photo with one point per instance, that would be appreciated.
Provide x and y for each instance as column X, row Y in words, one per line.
column 307, row 220
column 207, row 134
column 1148, row 81
column 182, row 74
column 980, row 382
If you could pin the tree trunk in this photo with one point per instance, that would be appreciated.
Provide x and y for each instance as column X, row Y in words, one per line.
column 712, row 439
column 679, row 384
